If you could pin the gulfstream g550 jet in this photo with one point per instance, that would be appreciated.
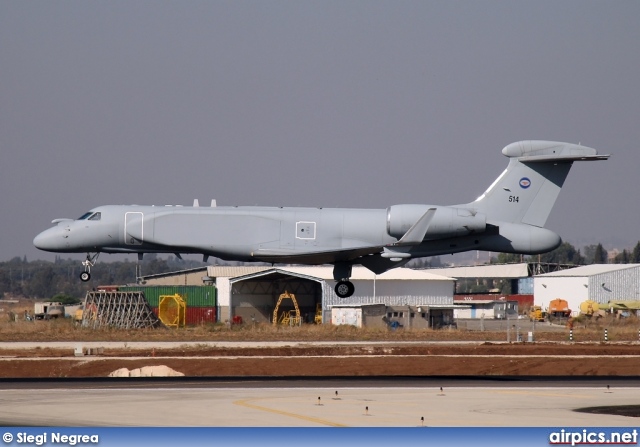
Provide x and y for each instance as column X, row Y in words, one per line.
column 509, row 217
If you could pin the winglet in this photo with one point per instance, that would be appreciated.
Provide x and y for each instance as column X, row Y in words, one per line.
column 415, row 235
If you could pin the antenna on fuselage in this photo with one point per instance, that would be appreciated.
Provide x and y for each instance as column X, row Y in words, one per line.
column 213, row 203
column 196, row 203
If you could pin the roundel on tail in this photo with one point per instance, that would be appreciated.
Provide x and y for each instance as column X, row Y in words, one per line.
column 525, row 183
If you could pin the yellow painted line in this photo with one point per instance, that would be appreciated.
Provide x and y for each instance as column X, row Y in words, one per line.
column 531, row 393
column 245, row 403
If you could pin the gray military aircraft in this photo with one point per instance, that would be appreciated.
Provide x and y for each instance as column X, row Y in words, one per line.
column 509, row 217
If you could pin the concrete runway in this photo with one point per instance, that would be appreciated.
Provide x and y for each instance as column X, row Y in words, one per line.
column 314, row 404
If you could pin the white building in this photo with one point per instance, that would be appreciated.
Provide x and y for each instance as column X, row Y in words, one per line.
column 250, row 292
column 253, row 295
column 597, row 282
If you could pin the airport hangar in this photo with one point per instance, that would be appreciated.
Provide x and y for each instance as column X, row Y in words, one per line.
column 493, row 303
column 596, row 282
column 399, row 297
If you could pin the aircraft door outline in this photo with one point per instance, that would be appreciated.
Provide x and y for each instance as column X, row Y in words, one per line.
column 133, row 228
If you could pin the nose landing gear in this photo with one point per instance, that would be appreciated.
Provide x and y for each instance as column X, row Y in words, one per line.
column 88, row 263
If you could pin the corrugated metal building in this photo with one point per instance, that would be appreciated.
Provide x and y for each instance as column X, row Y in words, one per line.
column 253, row 295
column 520, row 270
column 597, row 282
column 490, row 309
column 250, row 292
column 189, row 277
column 381, row 315
column 525, row 302
column 520, row 275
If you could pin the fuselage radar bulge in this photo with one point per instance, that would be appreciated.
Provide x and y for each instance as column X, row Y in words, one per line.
column 508, row 217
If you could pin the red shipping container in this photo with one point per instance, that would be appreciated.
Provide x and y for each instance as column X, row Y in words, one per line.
column 200, row 315
column 197, row 315
column 524, row 301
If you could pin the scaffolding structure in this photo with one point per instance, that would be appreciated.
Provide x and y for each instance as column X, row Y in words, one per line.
column 290, row 318
column 121, row 310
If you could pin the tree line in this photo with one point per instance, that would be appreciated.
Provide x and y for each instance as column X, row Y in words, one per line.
column 44, row 279
column 568, row 254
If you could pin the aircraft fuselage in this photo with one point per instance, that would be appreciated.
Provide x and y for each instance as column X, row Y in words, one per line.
column 271, row 234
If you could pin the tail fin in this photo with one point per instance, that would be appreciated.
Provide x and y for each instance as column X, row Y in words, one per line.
column 527, row 190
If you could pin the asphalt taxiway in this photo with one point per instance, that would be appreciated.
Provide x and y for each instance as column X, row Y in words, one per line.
column 311, row 403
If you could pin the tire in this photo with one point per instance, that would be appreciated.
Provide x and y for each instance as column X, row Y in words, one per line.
column 85, row 276
column 344, row 289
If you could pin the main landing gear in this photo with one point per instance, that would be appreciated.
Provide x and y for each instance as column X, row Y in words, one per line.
column 342, row 273
column 88, row 263
column 344, row 289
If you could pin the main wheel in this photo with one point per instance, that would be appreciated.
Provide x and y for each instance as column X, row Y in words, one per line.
column 85, row 276
column 344, row 289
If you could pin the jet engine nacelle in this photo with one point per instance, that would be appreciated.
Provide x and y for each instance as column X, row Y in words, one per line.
column 446, row 222
column 522, row 238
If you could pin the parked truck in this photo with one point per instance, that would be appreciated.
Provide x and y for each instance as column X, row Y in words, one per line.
column 47, row 310
column 558, row 310
column 591, row 309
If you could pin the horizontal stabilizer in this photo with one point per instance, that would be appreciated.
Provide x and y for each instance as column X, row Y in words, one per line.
column 545, row 158
column 415, row 235
column 534, row 151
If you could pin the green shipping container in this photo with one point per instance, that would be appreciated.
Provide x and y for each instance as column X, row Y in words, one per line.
column 195, row 296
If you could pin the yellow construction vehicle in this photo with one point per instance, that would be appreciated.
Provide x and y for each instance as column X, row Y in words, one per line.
column 537, row 314
column 77, row 315
column 290, row 318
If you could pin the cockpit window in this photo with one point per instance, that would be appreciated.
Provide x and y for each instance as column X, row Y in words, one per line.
column 90, row 216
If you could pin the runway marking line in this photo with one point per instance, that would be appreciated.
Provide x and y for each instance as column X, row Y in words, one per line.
column 531, row 393
column 245, row 403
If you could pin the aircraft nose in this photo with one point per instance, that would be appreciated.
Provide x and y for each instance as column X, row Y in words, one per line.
column 49, row 240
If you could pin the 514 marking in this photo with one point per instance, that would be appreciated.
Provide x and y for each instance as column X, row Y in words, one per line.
column 514, row 199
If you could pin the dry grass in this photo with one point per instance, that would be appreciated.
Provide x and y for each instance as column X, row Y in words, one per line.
column 584, row 330
column 64, row 330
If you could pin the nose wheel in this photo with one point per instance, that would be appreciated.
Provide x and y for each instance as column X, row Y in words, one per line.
column 344, row 289
column 88, row 263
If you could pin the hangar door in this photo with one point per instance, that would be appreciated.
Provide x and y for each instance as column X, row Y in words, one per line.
column 253, row 298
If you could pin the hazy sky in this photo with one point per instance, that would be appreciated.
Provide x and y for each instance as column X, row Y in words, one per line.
column 312, row 103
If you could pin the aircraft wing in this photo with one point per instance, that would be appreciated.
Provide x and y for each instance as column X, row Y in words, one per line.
column 369, row 257
column 414, row 236
column 316, row 257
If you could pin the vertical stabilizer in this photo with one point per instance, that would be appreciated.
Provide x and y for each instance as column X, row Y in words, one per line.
column 527, row 190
